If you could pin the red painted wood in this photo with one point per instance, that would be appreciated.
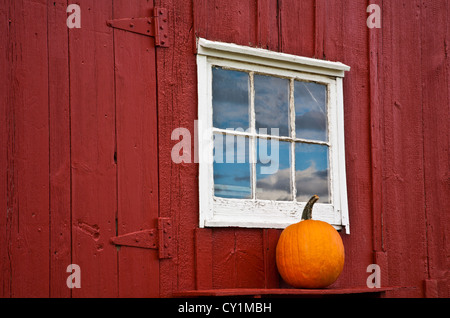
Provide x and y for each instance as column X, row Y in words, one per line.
column 94, row 172
column 238, row 260
column 27, row 167
column 403, row 180
column 436, row 134
column 297, row 18
column 203, row 259
column 267, row 22
column 340, row 30
column 86, row 119
column 5, row 97
column 284, row 292
column 177, row 107
column 320, row 26
column 137, row 160
column 271, row 275
column 376, row 135
column 231, row 21
column 59, row 148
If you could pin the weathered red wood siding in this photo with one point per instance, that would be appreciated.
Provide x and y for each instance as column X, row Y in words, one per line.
column 397, row 138
column 79, row 163
column 86, row 117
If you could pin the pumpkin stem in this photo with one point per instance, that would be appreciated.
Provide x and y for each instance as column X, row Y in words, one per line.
column 307, row 211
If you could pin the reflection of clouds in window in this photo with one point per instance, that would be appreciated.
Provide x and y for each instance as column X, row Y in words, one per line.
column 312, row 181
column 312, row 172
column 308, row 182
column 231, row 167
column 272, row 103
column 277, row 185
column 310, row 110
column 230, row 90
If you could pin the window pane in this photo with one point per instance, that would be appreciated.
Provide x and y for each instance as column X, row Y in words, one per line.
column 272, row 103
column 311, row 111
column 231, row 167
column 230, row 90
column 312, row 172
column 273, row 170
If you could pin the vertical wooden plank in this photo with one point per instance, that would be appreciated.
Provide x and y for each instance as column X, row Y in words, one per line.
column 250, row 258
column 137, row 150
column 436, row 141
column 270, row 240
column 232, row 21
column 320, row 21
column 203, row 259
column 28, row 166
column 224, row 258
column 200, row 17
column 376, row 119
column 297, row 17
column 59, row 139
column 167, row 64
column 238, row 260
column 177, row 107
column 403, row 191
column 5, row 82
column 267, row 25
column 94, row 183
column 346, row 40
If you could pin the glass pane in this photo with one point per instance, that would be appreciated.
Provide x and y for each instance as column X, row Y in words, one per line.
column 311, row 111
column 273, row 170
column 230, row 94
column 272, row 103
column 231, row 167
column 312, row 172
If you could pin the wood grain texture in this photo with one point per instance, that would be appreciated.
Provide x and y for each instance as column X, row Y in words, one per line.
column 403, row 183
column 59, row 149
column 137, row 160
column 94, row 179
column 436, row 141
column 297, row 22
column 86, row 117
column 27, row 177
column 177, row 95
column 5, row 98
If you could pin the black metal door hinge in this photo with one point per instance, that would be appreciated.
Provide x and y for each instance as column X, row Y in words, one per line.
column 155, row 26
column 160, row 238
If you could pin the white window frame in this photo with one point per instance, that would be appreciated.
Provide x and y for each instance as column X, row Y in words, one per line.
column 255, row 213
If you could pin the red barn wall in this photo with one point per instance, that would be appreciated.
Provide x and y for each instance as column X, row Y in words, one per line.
column 397, row 138
column 86, row 121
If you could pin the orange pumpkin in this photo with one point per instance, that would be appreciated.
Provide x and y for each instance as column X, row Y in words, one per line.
column 310, row 254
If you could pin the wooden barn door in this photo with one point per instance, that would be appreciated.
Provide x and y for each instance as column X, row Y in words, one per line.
column 114, row 153
column 78, row 160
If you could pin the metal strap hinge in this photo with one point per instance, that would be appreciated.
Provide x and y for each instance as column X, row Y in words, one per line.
column 159, row 238
column 155, row 26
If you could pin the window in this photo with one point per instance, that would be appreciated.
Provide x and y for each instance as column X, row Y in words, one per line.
column 271, row 135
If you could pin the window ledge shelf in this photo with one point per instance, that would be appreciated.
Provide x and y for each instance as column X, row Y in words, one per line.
column 375, row 292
